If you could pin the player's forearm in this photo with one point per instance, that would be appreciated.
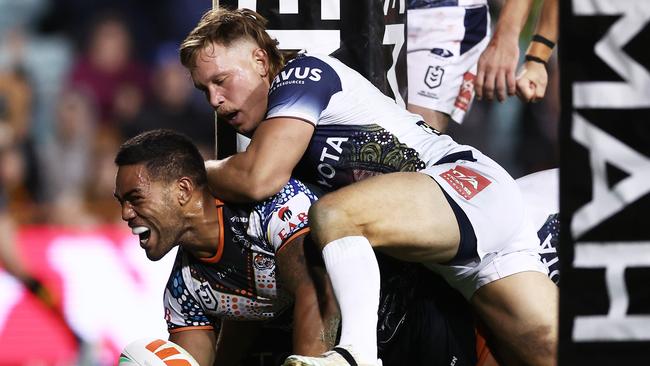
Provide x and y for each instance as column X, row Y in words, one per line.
column 238, row 179
column 314, row 330
column 265, row 167
column 547, row 28
column 222, row 175
column 315, row 312
column 549, row 20
column 511, row 20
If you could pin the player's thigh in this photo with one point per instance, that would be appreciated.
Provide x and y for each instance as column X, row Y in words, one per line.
column 436, row 119
column 522, row 311
column 404, row 214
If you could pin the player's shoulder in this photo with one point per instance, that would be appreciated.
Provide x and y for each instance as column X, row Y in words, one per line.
column 311, row 59
column 308, row 68
column 292, row 192
column 285, row 215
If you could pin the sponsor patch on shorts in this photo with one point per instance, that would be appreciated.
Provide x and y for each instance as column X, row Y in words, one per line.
column 466, row 92
column 465, row 181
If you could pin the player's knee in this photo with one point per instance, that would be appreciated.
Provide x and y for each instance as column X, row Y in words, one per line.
column 542, row 346
column 328, row 221
column 538, row 346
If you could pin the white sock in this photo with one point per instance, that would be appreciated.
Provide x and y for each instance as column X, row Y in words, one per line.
column 354, row 272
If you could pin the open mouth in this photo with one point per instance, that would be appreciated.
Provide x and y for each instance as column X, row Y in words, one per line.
column 229, row 117
column 143, row 232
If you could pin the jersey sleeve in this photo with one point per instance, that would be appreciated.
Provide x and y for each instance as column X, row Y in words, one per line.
column 284, row 216
column 303, row 89
column 182, row 310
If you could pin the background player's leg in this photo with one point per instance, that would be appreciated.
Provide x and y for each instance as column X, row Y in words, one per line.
column 521, row 311
column 435, row 119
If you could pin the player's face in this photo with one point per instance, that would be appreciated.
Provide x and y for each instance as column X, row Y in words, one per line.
column 234, row 79
column 149, row 209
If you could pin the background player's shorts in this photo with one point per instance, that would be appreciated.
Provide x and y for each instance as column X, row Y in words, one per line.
column 444, row 45
column 506, row 242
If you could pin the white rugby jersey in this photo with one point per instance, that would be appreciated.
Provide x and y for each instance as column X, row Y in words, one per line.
column 239, row 281
column 541, row 193
column 359, row 131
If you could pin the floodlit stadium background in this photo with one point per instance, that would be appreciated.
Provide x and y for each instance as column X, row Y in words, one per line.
column 58, row 174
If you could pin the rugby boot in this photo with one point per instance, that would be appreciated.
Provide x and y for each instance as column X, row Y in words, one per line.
column 338, row 356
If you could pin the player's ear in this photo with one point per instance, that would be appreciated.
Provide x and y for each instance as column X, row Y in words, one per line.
column 261, row 59
column 185, row 187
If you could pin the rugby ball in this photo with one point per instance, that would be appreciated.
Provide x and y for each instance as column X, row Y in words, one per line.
column 155, row 352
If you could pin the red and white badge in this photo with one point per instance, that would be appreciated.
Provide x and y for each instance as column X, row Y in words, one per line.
column 465, row 181
column 466, row 92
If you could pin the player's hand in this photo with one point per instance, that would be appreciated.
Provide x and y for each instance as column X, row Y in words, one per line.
column 496, row 69
column 531, row 81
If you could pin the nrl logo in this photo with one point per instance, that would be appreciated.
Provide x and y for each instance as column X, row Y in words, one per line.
column 433, row 78
column 207, row 296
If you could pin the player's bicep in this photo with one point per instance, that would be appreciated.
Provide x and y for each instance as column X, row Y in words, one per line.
column 200, row 343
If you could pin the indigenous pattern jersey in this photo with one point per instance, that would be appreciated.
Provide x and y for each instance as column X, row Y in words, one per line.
column 420, row 4
column 239, row 282
column 359, row 132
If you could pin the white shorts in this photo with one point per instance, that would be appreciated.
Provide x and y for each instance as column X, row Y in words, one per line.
column 443, row 48
column 506, row 242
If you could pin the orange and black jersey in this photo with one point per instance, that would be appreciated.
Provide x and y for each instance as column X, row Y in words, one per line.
column 239, row 282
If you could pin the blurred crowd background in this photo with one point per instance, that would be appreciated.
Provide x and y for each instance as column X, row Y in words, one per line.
column 78, row 77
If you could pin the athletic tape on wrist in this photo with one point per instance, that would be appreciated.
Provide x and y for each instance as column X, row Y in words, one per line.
column 535, row 59
column 543, row 40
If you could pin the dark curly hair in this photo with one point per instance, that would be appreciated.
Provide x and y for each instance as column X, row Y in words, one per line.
column 168, row 155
